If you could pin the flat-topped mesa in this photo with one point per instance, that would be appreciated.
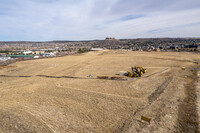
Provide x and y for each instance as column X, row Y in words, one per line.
column 110, row 38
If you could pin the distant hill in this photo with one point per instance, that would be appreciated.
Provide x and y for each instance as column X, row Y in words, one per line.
column 111, row 43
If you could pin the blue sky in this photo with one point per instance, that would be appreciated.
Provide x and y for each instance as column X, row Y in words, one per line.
column 46, row 20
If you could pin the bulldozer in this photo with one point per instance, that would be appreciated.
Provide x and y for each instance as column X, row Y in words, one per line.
column 136, row 72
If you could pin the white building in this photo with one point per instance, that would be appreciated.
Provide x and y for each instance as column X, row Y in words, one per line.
column 49, row 54
column 36, row 57
column 96, row 49
column 5, row 58
column 27, row 52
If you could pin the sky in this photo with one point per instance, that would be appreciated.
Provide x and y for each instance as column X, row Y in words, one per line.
column 47, row 20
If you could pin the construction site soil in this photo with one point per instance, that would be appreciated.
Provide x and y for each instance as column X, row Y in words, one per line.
column 58, row 95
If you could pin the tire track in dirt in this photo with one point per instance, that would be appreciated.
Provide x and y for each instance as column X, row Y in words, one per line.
column 127, row 123
column 187, row 113
column 80, row 65
column 99, row 93
column 156, row 73
column 49, row 127
column 173, row 59
column 17, row 120
column 159, row 90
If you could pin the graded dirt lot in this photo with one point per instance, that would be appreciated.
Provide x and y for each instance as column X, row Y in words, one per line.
column 56, row 94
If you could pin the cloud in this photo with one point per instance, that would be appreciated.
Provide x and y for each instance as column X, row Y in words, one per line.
column 40, row 20
column 130, row 17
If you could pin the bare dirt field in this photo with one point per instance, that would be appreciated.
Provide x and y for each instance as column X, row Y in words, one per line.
column 56, row 94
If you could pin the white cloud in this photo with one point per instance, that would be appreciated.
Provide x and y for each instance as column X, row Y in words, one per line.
column 97, row 19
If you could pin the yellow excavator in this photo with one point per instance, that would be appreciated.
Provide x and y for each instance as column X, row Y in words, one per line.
column 136, row 71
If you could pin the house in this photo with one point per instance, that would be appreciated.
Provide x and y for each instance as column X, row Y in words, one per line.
column 48, row 54
column 38, row 52
column 4, row 58
column 27, row 52
column 96, row 49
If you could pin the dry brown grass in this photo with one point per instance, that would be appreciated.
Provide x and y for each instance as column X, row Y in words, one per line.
column 56, row 102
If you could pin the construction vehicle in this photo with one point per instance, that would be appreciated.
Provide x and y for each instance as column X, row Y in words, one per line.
column 143, row 70
column 136, row 72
